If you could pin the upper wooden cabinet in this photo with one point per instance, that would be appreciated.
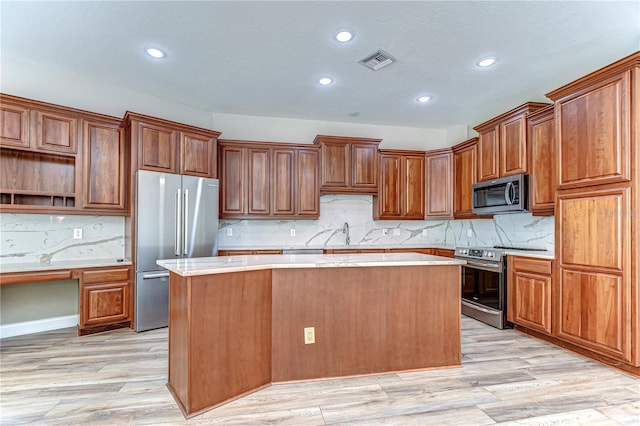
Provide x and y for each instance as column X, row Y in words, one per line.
column 348, row 165
column 268, row 180
column 105, row 168
column 502, row 144
column 596, row 123
column 465, row 174
column 60, row 160
column 439, row 184
column 170, row 147
column 402, row 186
column 542, row 161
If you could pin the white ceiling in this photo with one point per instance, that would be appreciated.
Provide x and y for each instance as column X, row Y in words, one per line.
column 264, row 57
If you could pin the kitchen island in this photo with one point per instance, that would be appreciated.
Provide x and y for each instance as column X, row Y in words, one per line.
column 240, row 323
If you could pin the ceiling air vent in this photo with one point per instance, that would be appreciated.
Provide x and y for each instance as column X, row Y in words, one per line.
column 377, row 60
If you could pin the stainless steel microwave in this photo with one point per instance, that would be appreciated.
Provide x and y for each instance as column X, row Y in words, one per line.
column 505, row 195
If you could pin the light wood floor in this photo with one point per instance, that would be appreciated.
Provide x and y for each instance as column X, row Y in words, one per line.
column 507, row 378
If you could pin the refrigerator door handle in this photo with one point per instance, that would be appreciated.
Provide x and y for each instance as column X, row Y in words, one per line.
column 185, row 235
column 151, row 275
column 178, row 221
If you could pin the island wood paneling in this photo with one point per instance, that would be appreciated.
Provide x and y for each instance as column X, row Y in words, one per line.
column 367, row 320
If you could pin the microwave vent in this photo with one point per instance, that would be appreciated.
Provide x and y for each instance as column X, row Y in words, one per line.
column 377, row 60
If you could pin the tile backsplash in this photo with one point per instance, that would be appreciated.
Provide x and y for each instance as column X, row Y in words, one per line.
column 515, row 230
column 45, row 238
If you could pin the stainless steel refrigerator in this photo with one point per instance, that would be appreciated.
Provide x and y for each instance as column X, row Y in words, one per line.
column 176, row 217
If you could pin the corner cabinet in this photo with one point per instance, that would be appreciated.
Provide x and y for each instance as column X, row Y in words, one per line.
column 401, row 194
column 529, row 293
column 55, row 159
column 268, row 180
column 465, row 174
column 348, row 165
column 542, row 161
column 170, row 147
column 502, row 144
column 439, row 182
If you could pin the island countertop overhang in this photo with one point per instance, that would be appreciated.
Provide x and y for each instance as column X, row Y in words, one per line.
column 227, row 264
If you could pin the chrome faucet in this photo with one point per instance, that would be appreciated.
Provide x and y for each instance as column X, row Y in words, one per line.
column 345, row 230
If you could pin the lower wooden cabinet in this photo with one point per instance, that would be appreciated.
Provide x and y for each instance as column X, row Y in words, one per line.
column 105, row 299
column 529, row 290
column 246, row 252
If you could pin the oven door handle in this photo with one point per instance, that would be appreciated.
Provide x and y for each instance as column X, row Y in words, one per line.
column 492, row 267
column 480, row 308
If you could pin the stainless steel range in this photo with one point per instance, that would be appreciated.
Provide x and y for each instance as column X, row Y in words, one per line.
column 484, row 284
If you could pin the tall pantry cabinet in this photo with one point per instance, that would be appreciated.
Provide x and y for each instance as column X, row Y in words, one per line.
column 598, row 211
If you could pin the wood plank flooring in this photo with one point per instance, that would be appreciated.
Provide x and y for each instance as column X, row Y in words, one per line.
column 119, row 377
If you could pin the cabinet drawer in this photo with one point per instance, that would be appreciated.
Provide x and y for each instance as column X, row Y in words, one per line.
column 541, row 266
column 105, row 275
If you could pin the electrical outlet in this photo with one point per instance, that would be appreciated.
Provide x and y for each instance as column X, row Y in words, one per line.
column 384, row 231
column 77, row 234
column 293, row 232
column 229, row 232
column 309, row 335
column 469, row 233
column 424, row 232
column 396, row 232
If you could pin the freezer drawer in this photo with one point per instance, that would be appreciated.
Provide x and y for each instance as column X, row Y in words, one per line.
column 152, row 300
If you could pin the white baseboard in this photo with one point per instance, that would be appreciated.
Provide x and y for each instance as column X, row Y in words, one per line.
column 29, row 327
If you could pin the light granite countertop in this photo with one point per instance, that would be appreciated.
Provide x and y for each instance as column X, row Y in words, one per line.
column 221, row 265
column 65, row 264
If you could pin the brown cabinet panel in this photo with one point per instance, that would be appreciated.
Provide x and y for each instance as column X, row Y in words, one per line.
column 259, row 169
column 158, row 148
column 439, row 193
column 232, row 176
column 14, row 125
column 104, row 166
column 513, row 146
column 283, row 181
column 389, row 199
column 529, row 293
column 106, row 275
column 308, row 185
column 445, row 252
column 593, row 130
column 542, row 157
column 594, row 312
column 348, row 165
column 465, row 172
column 198, row 155
column 489, row 155
column 364, row 162
column 414, row 187
column 56, row 132
column 591, row 228
column 105, row 298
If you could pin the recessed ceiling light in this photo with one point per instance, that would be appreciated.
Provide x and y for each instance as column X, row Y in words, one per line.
column 424, row 99
column 155, row 52
column 344, row 36
column 487, row 62
column 325, row 81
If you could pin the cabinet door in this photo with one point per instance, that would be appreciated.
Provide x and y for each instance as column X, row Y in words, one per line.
column 14, row 125
column 595, row 133
column 105, row 297
column 232, row 180
column 157, row 148
column 465, row 176
column 413, row 190
column 488, row 152
column 390, row 191
column 335, row 159
column 308, row 185
column 104, row 168
column 283, row 182
column 594, row 290
column 440, row 185
column 56, row 132
column 259, row 165
column 542, row 149
column 198, row 155
column 364, row 166
column 532, row 301
column 513, row 146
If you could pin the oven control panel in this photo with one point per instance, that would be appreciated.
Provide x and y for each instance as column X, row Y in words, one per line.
column 479, row 253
